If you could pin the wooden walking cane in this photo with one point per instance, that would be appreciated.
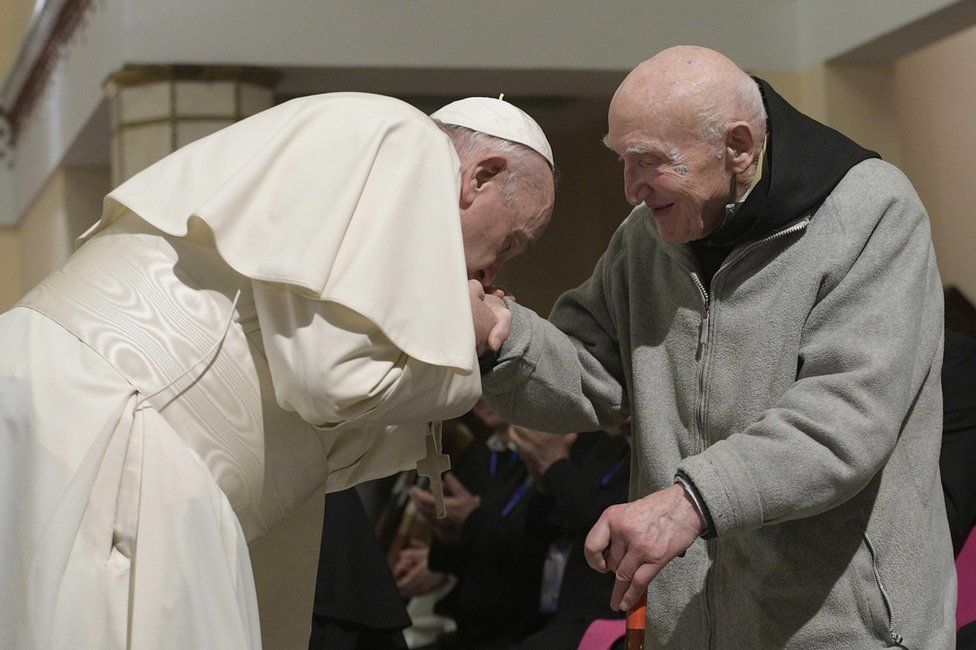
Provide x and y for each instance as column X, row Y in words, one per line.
column 636, row 621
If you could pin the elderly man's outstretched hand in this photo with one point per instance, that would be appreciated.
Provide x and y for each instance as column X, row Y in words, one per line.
column 636, row 540
column 492, row 319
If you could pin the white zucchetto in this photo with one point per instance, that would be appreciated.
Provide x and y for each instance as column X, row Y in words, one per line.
column 498, row 118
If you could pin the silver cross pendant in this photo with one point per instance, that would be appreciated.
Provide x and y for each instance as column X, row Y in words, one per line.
column 433, row 465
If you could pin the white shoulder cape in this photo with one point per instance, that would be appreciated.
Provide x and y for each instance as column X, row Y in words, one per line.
column 346, row 197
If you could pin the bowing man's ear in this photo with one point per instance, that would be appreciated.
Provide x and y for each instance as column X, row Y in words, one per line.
column 488, row 168
column 476, row 178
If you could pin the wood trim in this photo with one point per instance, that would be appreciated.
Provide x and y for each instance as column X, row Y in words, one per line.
column 176, row 120
column 138, row 75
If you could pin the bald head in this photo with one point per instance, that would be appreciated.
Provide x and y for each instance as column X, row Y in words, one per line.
column 695, row 88
column 689, row 125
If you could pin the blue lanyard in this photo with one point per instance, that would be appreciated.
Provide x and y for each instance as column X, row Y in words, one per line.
column 613, row 470
column 493, row 467
column 519, row 493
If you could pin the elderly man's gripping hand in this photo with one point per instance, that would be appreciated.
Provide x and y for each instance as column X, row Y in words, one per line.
column 492, row 319
column 636, row 540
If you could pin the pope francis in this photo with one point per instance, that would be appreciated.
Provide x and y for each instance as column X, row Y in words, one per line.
column 271, row 312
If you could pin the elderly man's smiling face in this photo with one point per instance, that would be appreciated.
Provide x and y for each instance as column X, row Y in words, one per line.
column 687, row 124
column 668, row 165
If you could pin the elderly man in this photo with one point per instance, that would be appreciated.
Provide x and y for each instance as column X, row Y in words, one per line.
column 770, row 316
column 232, row 337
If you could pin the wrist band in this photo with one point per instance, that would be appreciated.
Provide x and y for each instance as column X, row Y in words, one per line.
column 700, row 506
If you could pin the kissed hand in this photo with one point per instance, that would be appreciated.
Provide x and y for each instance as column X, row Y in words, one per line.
column 499, row 292
column 492, row 319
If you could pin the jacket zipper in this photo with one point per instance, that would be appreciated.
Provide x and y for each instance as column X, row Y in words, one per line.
column 703, row 326
column 896, row 638
column 796, row 227
column 701, row 355
column 700, row 419
column 706, row 304
column 703, row 335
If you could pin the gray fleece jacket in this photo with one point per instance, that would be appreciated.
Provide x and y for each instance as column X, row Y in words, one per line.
column 801, row 395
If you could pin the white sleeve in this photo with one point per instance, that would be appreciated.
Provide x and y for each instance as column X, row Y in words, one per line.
column 333, row 366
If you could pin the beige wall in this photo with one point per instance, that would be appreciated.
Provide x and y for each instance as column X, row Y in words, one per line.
column 69, row 203
column 44, row 239
column 15, row 15
column 935, row 98
column 919, row 113
column 84, row 189
column 860, row 102
column 856, row 99
column 10, row 285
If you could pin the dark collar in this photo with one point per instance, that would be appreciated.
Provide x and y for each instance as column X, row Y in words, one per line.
column 806, row 161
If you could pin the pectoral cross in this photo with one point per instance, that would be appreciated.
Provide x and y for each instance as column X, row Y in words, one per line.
column 433, row 465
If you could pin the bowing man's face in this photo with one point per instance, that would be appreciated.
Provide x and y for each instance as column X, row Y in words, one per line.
column 502, row 215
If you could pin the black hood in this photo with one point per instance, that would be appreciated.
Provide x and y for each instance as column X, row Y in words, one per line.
column 806, row 161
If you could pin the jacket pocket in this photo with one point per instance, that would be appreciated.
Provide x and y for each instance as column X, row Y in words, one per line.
column 875, row 604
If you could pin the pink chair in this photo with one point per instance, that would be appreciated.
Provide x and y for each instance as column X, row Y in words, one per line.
column 603, row 633
column 966, row 575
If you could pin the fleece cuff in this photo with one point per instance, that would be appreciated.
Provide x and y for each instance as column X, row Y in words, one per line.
column 510, row 367
column 727, row 486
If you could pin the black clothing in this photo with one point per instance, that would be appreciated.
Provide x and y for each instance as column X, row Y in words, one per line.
column 578, row 490
column 957, row 461
column 499, row 568
column 505, row 542
column 332, row 634
column 806, row 160
column 357, row 606
column 966, row 637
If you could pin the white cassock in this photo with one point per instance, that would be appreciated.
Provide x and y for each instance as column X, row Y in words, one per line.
column 233, row 338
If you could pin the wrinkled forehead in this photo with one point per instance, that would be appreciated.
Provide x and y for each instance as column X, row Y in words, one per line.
column 653, row 121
